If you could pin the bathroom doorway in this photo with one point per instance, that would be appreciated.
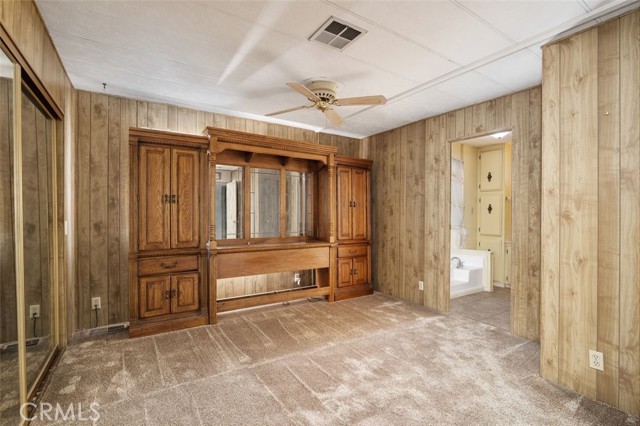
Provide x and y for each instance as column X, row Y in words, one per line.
column 481, row 217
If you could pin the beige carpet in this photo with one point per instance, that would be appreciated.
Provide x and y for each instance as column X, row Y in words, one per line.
column 368, row 361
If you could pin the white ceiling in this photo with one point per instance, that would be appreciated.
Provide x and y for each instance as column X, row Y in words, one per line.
column 234, row 57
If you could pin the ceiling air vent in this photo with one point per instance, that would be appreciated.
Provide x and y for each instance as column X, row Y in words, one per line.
column 337, row 34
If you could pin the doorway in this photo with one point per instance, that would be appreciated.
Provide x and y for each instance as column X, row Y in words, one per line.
column 481, row 217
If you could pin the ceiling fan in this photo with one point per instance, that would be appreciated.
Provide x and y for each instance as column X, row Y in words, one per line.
column 323, row 95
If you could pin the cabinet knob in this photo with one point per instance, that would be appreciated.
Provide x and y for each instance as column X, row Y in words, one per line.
column 173, row 198
column 173, row 292
column 167, row 295
column 165, row 198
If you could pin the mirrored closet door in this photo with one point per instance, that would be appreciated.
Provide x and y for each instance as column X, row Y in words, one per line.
column 28, row 242
column 9, row 356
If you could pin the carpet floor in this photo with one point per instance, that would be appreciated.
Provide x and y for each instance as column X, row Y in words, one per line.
column 367, row 361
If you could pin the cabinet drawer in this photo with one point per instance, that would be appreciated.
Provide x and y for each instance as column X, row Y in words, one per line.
column 352, row 251
column 164, row 265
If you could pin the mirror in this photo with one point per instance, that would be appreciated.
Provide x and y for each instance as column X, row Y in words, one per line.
column 9, row 385
column 265, row 203
column 228, row 288
column 229, row 201
column 37, row 144
column 299, row 204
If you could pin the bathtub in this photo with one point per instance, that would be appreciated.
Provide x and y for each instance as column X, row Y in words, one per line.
column 475, row 274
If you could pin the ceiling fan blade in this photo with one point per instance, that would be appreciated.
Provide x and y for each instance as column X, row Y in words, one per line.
column 289, row 110
column 302, row 89
column 333, row 116
column 361, row 100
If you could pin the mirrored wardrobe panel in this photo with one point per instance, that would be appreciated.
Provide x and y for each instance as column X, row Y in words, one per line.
column 37, row 199
column 9, row 361
column 29, row 223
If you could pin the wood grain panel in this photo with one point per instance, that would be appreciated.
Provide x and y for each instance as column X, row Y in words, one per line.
column 608, row 210
column 22, row 22
column 592, row 141
column 113, row 207
column 629, row 374
column 414, row 207
column 83, row 303
column 98, row 203
column 550, row 297
column 578, row 210
column 252, row 263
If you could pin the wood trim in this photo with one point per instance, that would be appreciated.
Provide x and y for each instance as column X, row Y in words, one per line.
column 264, row 299
column 270, row 247
column 160, row 137
column 270, row 144
column 18, row 227
column 353, row 162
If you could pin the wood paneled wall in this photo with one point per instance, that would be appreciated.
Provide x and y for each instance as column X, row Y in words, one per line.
column 591, row 204
column 411, row 203
column 23, row 24
column 103, row 187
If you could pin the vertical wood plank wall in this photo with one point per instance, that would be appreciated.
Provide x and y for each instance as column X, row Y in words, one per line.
column 103, row 123
column 591, row 205
column 411, row 198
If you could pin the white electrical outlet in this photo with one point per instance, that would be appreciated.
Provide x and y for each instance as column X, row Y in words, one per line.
column 420, row 285
column 34, row 311
column 95, row 303
column 596, row 360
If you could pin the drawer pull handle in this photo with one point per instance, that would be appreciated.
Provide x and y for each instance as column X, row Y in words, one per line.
column 167, row 295
column 173, row 292
column 169, row 265
column 352, row 251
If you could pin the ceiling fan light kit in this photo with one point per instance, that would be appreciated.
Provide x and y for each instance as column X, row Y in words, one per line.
column 323, row 95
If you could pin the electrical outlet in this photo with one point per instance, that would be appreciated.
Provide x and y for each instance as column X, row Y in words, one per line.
column 420, row 285
column 34, row 311
column 95, row 303
column 596, row 360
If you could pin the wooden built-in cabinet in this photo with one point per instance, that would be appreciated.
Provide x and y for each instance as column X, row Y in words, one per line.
column 169, row 194
column 312, row 220
column 353, row 211
column 168, row 262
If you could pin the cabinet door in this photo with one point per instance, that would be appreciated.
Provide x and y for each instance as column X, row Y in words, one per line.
column 154, row 296
column 185, row 198
column 359, row 195
column 491, row 165
column 360, row 270
column 344, row 216
column 154, row 190
column 345, row 268
column 184, row 293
